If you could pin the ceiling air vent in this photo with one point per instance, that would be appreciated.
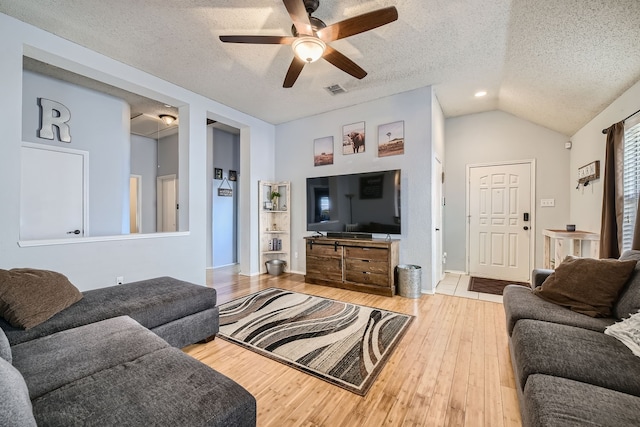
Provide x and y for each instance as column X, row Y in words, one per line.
column 335, row 89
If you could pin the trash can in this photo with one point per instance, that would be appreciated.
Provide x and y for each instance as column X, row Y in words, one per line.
column 409, row 280
column 275, row 266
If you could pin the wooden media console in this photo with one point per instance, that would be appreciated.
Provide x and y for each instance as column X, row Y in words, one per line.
column 366, row 265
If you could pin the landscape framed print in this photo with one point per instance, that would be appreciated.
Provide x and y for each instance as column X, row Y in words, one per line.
column 391, row 139
column 323, row 151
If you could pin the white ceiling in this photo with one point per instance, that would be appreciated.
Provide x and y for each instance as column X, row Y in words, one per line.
column 557, row 63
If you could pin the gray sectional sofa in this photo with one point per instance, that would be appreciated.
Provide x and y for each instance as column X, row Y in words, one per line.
column 111, row 359
column 568, row 372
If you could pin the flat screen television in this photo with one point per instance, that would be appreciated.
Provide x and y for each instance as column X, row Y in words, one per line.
column 364, row 203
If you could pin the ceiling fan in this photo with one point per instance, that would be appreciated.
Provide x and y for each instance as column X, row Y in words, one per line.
column 311, row 35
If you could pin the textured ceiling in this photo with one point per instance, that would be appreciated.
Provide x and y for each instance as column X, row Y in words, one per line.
column 554, row 62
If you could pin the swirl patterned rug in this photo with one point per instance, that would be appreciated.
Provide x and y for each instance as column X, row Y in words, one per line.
column 342, row 343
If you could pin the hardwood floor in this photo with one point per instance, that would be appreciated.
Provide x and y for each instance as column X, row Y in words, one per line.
column 452, row 368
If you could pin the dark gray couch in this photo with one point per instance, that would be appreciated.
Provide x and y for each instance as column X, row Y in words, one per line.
column 179, row 312
column 90, row 365
column 567, row 371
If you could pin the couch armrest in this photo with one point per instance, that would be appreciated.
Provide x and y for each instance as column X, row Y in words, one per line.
column 538, row 276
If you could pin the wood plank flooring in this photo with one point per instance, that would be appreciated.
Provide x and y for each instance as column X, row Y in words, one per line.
column 452, row 367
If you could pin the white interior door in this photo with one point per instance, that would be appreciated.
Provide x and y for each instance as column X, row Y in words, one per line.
column 167, row 188
column 52, row 192
column 500, row 221
column 438, row 206
column 135, row 203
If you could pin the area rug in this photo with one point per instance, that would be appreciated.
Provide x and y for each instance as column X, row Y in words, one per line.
column 342, row 343
column 491, row 286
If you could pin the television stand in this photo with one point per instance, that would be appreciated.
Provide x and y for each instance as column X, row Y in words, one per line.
column 357, row 264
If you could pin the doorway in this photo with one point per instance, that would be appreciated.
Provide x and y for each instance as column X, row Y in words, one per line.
column 167, row 201
column 500, row 223
column 223, row 171
column 135, row 198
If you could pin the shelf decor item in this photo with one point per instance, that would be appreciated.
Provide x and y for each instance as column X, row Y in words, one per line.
column 274, row 195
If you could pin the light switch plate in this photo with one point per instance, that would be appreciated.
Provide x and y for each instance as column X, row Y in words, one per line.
column 545, row 203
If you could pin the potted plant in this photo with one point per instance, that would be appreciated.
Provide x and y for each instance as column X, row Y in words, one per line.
column 273, row 196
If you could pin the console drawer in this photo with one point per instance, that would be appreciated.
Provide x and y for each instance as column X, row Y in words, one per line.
column 362, row 265
column 375, row 254
column 367, row 278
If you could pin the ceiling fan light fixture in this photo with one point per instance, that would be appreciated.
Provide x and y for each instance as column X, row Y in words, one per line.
column 167, row 118
column 308, row 48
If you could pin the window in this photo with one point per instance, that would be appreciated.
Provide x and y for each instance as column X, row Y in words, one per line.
column 631, row 178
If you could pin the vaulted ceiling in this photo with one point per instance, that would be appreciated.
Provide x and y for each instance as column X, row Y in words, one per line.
column 557, row 63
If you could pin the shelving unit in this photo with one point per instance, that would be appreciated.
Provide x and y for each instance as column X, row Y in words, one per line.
column 275, row 223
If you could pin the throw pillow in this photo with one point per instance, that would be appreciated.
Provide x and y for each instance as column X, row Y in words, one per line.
column 28, row 296
column 586, row 285
column 627, row 332
column 15, row 406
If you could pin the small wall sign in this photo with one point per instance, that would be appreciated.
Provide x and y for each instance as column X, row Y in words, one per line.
column 225, row 192
column 589, row 172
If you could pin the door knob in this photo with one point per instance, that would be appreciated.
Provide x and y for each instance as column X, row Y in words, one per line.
column 73, row 232
column 525, row 227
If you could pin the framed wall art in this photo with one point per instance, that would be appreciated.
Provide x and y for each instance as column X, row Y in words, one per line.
column 353, row 138
column 391, row 139
column 217, row 173
column 233, row 175
column 323, row 151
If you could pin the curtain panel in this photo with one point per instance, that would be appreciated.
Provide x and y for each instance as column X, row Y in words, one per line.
column 613, row 194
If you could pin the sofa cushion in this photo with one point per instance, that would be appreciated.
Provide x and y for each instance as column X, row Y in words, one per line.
column 151, row 303
column 520, row 303
column 553, row 401
column 573, row 353
column 15, row 406
column 51, row 362
column 629, row 300
column 5, row 348
column 585, row 285
column 627, row 332
column 28, row 296
column 166, row 387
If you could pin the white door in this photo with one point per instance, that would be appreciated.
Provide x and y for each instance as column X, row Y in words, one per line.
column 52, row 192
column 438, row 205
column 167, row 186
column 135, row 198
column 500, row 221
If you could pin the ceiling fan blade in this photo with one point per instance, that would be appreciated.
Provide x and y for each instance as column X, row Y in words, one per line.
column 299, row 16
column 344, row 63
column 258, row 39
column 358, row 24
column 294, row 71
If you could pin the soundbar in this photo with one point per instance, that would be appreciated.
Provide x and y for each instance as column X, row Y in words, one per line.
column 349, row 235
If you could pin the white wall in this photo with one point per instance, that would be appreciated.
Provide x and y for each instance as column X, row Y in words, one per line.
column 294, row 162
column 92, row 264
column 99, row 124
column 493, row 137
column 589, row 145
column 144, row 162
